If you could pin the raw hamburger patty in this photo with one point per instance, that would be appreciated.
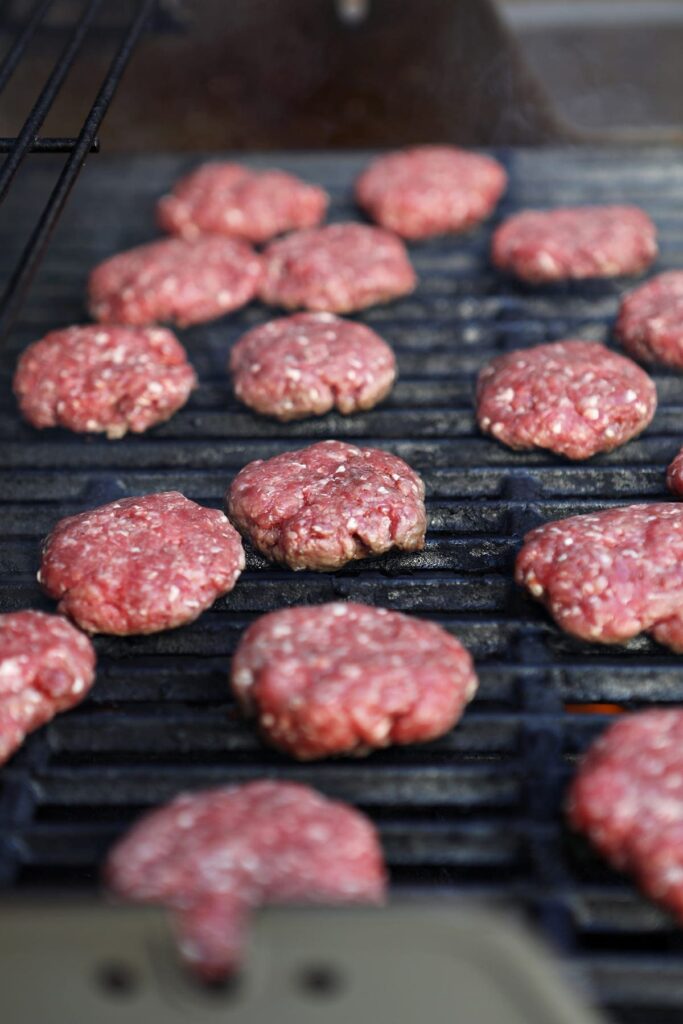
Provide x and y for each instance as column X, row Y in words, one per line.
column 344, row 678
column 213, row 856
column 628, row 798
column 46, row 666
column 336, row 269
column 674, row 475
column 331, row 503
column 650, row 322
column 575, row 242
column 572, row 397
column 109, row 379
column 430, row 190
column 309, row 363
column 611, row 575
column 141, row 565
column 227, row 199
column 175, row 280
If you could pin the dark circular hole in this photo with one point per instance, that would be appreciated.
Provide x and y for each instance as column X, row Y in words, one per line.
column 118, row 979
column 321, row 980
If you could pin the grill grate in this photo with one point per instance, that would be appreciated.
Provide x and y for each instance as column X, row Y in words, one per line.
column 478, row 812
column 27, row 141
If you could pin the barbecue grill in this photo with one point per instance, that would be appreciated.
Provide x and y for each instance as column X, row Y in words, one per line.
column 476, row 813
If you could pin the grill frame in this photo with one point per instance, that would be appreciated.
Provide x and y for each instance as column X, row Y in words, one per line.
column 478, row 812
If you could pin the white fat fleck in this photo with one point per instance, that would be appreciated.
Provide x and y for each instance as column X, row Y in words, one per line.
column 630, row 396
column 244, row 678
column 10, row 667
column 280, row 630
column 233, row 216
column 591, row 413
column 544, row 261
column 536, row 589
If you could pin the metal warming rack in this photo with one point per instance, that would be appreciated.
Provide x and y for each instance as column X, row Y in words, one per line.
column 29, row 140
column 477, row 813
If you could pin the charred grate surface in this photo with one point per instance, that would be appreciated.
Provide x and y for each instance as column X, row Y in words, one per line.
column 478, row 812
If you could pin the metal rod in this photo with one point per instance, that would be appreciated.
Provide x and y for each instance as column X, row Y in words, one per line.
column 49, row 145
column 33, row 252
column 16, row 51
column 46, row 98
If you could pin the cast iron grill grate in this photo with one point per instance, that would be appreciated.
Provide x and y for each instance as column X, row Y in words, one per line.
column 478, row 812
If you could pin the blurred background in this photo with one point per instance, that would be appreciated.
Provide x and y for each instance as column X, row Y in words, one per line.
column 299, row 74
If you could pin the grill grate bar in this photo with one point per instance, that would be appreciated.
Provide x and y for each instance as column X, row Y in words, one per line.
column 48, row 145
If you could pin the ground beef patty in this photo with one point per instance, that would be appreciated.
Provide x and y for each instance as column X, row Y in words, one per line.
column 309, row 363
column 175, row 280
column 141, row 565
column 674, row 475
column 227, row 199
column 628, row 798
column 108, row 379
column 46, row 666
column 650, row 322
column 344, row 678
column 611, row 575
column 331, row 503
column 336, row 269
column 430, row 190
column 213, row 856
column 575, row 242
column 571, row 397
